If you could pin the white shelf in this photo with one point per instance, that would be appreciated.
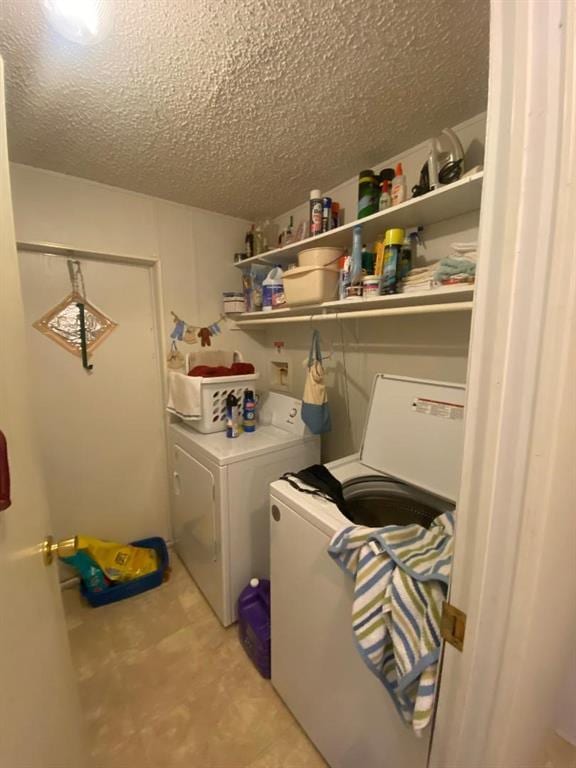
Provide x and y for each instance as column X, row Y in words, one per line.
column 445, row 203
column 446, row 299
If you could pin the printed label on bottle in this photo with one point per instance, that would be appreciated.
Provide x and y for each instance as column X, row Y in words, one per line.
column 438, row 408
column 366, row 201
column 316, row 217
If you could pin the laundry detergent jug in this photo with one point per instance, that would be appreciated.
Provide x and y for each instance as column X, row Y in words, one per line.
column 273, row 290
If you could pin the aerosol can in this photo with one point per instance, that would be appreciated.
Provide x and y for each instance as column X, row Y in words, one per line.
column 249, row 411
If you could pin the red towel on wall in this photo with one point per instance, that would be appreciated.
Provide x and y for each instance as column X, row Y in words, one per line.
column 4, row 474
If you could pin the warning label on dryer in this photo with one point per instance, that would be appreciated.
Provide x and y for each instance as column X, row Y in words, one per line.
column 438, row 408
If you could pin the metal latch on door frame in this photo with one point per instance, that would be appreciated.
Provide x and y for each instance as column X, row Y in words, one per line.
column 453, row 625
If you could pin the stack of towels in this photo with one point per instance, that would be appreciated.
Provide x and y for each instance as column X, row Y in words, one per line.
column 457, row 268
column 419, row 279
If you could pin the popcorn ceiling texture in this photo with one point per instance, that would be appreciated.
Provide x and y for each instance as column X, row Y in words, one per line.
column 241, row 106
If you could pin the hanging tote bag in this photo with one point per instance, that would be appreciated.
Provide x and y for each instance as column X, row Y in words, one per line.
column 315, row 410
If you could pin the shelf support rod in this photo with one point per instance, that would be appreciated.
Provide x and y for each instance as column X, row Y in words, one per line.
column 428, row 309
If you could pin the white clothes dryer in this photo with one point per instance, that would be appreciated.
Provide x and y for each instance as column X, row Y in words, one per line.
column 220, row 493
column 408, row 470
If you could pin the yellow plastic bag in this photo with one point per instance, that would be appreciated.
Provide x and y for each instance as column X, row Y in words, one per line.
column 120, row 562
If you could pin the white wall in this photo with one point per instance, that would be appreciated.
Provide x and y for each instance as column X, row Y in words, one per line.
column 195, row 248
column 427, row 346
column 471, row 134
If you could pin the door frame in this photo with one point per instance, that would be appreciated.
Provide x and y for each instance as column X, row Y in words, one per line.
column 154, row 264
column 497, row 699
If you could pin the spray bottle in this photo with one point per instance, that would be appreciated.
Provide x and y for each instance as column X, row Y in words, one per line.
column 232, row 416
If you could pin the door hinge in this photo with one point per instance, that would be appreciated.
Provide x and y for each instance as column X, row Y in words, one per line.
column 453, row 626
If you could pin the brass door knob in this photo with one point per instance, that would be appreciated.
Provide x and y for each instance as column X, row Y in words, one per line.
column 62, row 548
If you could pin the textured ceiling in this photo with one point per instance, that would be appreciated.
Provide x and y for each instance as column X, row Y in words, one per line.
column 241, row 106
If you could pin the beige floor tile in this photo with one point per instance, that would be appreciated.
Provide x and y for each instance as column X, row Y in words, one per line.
column 162, row 683
column 291, row 750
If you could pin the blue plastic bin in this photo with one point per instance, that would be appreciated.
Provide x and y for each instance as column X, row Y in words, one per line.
column 136, row 586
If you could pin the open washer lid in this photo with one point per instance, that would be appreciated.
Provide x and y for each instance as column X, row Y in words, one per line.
column 415, row 432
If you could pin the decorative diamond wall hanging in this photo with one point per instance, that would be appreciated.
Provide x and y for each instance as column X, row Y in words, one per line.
column 62, row 324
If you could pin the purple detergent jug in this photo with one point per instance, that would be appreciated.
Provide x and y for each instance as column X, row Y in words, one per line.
column 254, row 624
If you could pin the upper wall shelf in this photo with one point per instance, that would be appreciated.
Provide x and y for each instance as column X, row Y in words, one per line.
column 453, row 200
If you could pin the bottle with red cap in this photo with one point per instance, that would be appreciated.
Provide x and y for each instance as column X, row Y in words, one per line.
column 385, row 197
column 399, row 186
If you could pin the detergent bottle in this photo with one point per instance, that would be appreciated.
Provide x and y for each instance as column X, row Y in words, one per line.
column 273, row 290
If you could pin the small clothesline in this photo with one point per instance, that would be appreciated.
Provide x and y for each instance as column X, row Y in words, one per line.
column 189, row 333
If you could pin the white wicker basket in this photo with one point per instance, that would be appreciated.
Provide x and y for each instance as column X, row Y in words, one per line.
column 214, row 394
column 215, row 391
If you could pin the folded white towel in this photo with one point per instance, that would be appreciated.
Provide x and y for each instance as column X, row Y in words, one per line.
column 464, row 247
column 184, row 396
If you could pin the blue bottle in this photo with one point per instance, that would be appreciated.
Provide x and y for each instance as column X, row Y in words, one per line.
column 249, row 411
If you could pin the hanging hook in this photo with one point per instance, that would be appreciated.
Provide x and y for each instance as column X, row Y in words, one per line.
column 83, row 345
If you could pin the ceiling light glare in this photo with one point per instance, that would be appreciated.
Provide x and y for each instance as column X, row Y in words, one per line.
column 80, row 21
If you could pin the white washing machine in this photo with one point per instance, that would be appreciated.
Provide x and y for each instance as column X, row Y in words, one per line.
column 220, row 494
column 408, row 471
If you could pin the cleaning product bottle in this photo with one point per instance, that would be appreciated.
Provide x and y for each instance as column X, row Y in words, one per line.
column 289, row 232
column 399, row 193
column 393, row 242
column 405, row 264
column 315, row 212
column 356, row 256
column 254, row 627
column 258, row 240
column 232, row 416
column 249, row 411
column 385, row 199
column 335, row 215
column 249, row 243
column 273, row 290
column 379, row 265
column 344, row 278
column 326, row 214
column 368, row 193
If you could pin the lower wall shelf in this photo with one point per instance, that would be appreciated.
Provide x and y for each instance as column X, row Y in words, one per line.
column 436, row 301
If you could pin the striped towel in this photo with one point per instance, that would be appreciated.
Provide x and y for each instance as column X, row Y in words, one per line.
column 401, row 577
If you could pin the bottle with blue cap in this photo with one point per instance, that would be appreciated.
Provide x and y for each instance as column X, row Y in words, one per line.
column 249, row 411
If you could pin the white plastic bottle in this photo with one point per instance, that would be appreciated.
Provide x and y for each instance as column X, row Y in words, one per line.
column 315, row 212
column 385, row 198
column 399, row 193
column 273, row 290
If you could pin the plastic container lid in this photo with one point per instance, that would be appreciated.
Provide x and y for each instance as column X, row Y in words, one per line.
column 394, row 237
column 414, row 432
column 315, row 193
